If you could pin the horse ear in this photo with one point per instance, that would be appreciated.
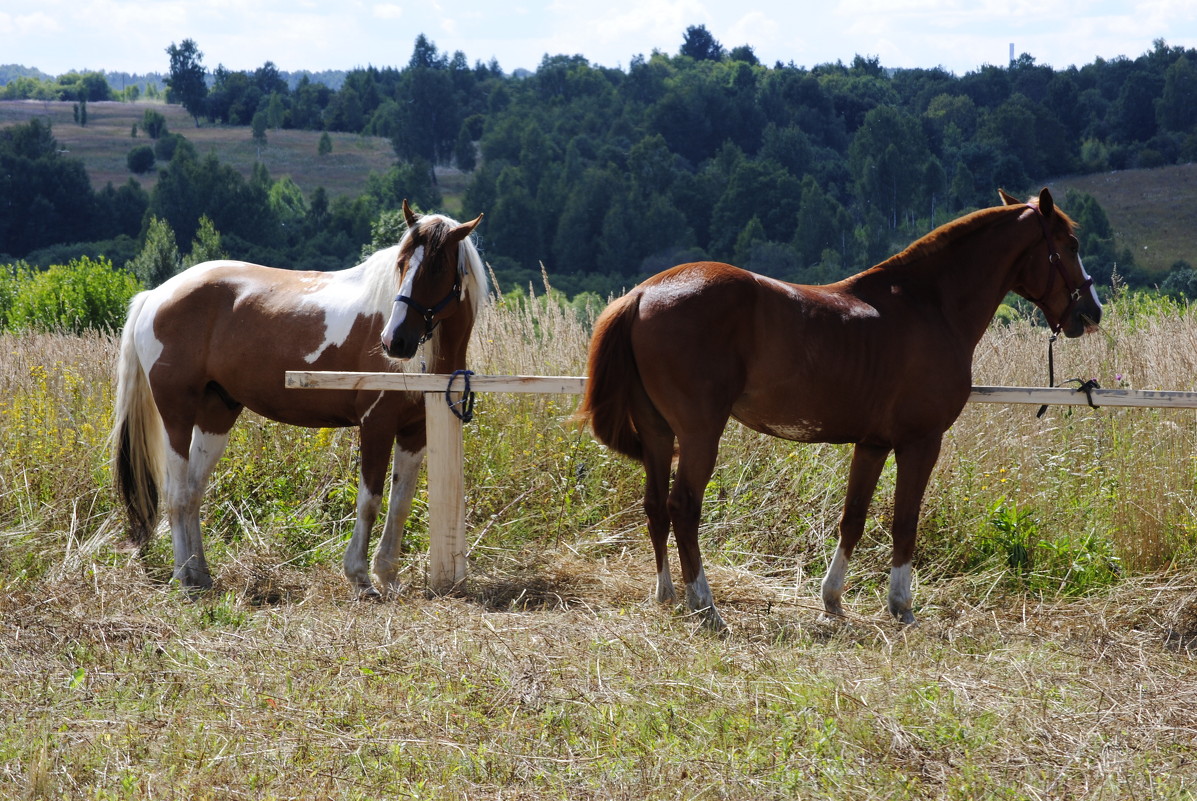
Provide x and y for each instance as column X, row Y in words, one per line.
column 408, row 214
column 465, row 229
column 1008, row 199
column 1046, row 205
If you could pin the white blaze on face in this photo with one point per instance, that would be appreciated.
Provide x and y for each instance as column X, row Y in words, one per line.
column 1092, row 287
column 399, row 310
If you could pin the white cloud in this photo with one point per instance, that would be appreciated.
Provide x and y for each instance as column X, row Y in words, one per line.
column 388, row 11
column 37, row 23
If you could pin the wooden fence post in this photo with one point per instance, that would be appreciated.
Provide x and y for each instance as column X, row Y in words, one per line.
column 446, row 496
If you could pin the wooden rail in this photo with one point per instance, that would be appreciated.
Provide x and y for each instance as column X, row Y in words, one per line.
column 446, row 463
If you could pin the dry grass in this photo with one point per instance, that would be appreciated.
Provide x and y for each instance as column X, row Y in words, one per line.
column 1151, row 210
column 104, row 145
column 550, row 675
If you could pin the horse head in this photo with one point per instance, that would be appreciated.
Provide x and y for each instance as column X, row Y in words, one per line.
column 1053, row 277
column 431, row 272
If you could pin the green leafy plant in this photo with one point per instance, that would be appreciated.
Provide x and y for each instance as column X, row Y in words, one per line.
column 83, row 295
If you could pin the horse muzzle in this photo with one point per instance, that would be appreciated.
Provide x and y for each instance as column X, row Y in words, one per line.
column 400, row 346
column 402, row 336
column 1084, row 317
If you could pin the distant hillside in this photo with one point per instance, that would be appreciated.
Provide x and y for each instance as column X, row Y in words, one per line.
column 1153, row 212
column 105, row 142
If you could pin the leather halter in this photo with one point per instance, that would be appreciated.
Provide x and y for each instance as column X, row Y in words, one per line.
column 429, row 313
column 1053, row 258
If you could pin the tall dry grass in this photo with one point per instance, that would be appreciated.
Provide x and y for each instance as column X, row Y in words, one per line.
column 1057, row 595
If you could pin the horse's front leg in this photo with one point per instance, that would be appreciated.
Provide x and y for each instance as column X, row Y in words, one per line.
column 376, row 451
column 404, row 477
column 915, row 462
column 867, row 462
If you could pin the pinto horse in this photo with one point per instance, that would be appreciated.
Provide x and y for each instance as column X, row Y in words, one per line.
column 218, row 338
column 882, row 360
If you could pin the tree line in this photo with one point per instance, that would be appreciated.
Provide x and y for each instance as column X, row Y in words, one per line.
column 603, row 175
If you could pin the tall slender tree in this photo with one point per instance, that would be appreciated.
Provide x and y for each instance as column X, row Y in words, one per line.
column 186, row 82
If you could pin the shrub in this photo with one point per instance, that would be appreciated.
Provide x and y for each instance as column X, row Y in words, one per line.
column 153, row 123
column 83, row 295
column 141, row 159
column 166, row 146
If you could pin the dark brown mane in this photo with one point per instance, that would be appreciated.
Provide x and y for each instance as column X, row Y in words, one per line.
column 952, row 232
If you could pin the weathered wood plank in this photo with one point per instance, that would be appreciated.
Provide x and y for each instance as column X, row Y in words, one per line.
column 573, row 385
column 1068, row 396
column 433, row 382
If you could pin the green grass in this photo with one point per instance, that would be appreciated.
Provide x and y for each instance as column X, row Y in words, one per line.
column 104, row 144
column 1150, row 210
column 1038, row 671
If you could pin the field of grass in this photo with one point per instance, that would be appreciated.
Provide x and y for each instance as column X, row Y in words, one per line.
column 104, row 143
column 1151, row 211
column 1056, row 587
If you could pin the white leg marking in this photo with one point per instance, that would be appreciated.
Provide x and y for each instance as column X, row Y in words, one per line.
column 355, row 553
column 833, row 583
column 901, row 599
column 186, row 481
column 665, row 593
column 403, row 488
column 182, row 509
column 699, row 599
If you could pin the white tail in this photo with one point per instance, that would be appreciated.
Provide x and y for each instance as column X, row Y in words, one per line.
column 138, row 438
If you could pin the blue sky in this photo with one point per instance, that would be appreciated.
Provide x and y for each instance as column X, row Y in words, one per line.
column 60, row 35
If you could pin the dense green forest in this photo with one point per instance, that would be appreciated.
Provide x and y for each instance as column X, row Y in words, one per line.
column 604, row 175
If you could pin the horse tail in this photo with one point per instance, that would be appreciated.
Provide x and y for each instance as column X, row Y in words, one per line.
column 138, row 437
column 614, row 379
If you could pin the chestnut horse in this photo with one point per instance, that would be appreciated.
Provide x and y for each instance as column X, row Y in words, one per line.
column 218, row 338
column 882, row 359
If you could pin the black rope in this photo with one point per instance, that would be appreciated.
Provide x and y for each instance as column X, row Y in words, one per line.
column 1081, row 386
column 466, row 413
column 1051, row 371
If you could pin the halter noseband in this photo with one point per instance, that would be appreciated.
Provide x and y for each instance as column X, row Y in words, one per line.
column 1053, row 258
column 429, row 314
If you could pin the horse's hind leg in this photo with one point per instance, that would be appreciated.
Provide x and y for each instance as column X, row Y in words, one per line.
column 696, row 463
column 658, row 459
column 186, row 481
column 867, row 462
column 196, row 437
column 915, row 463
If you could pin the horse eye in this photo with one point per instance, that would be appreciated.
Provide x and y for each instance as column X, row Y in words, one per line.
column 1073, row 244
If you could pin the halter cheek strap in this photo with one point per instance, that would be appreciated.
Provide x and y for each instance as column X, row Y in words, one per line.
column 1074, row 297
column 429, row 314
column 1053, row 258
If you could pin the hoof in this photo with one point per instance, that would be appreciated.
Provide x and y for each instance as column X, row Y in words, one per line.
column 391, row 590
column 712, row 621
column 368, row 594
column 195, row 584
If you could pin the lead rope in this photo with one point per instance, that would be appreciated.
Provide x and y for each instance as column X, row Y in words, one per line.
column 1082, row 386
column 1051, row 370
column 466, row 413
